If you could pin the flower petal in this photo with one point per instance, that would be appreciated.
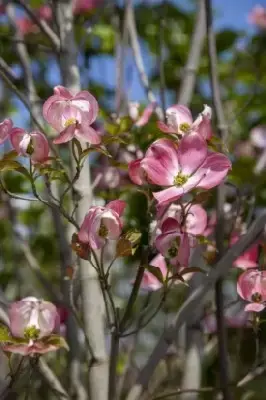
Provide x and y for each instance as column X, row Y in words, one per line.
column 255, row 307
column 147, row 113
column 215, row 169
column 168, row 195
column 88, row 134
column 117, row 205
column 5, row 129
column 192, row 152
column 66, row 135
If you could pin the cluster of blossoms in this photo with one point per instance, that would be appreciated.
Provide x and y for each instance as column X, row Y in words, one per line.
column 34, row 328
column 257, row 16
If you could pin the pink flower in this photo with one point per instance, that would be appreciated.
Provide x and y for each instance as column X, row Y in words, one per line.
column 5, row 129
column 72, row 115
column 234, row 318
column 257, row 16
column 179, row 121
column 45, row 12
column 81, row 6
column 149, row 281
column 102, row 223
column 146, row 115
column 258, row 136
column 192, row 218
column 249, row 259
column 32, row 322
column 33, row 145
column 26, row 26
column 251, row 286
column 173, row 243
column 180, row 167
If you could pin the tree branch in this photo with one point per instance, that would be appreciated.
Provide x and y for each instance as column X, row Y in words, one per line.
column 189, row 73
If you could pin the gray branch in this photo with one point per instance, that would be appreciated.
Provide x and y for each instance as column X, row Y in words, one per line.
column 92, row 304
column 189, row 73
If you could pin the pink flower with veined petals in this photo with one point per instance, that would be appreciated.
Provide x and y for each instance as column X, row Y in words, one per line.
column 257, row 16
column 5, row 129
column 180, row 167
column 249, row 259
column 173, row 243
column 33, row 144
column 32, row 321
column 72, row 115
column 141, row 120
column 102, row 223
column 192, row 218
column 251, row 286
column 149, row 281
column 180, row 121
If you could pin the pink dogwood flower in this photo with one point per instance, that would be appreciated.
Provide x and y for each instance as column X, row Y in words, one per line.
column 180, row 121
column 251, row 286
column 257, row 16
column 5, row 129
column 32, row 322
column 149, row 281
column 102, row 223
column 143, row 119
column 72, row 115
column 192, row 218
column 180, row 167
column 34, row 144
column 173, row 243
column 249, row 259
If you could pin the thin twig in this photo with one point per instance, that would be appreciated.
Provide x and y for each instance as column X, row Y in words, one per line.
column 138, row 58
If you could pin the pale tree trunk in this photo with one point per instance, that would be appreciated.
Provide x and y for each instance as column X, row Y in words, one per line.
column 92, row 303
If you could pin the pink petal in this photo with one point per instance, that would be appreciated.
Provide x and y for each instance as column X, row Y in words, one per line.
column 5, row 129
column 53, row 109
column 165, row 128
column 170, row 225
column 192, row 151
column 16, row 137
column 40, row 146
column 88, row 134
column 63, row 92
column 196, row 220
column 168, row 195
column 177, row 115
column 117, row 205
column 203, row 123
column 66, row 135
column 147, row 113
column 136, row 172
column 161, row 162
column 256, row 307
column 164, row 242
column 88, row 104
column 215, row 169
column 247, row 284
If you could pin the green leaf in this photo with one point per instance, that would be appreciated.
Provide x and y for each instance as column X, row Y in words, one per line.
column 4, row 334
column 125, row 124
column 100, row 149
column 78, row 147
column 156, row 272
column 57, row 340
column 190, row 270
column 10, row 155
column 133, row 236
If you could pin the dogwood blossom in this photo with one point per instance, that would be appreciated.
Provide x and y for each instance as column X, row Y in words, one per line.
column 251, row 286
column 72, row 115
column 34, row 144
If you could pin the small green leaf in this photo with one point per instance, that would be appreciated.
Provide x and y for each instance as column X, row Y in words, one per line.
column 57, row 340
column 100, row 149
column 10, row 155
column 125, row 124
column 4, row 334
column 156, row 272
column 133, row 236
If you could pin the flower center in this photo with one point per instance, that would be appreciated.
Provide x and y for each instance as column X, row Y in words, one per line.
column 180, row 179
column 103, row 231
column 173, row 250
column 184, row 127
column 31, row 333
column 256, row 297
column 70, row 121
